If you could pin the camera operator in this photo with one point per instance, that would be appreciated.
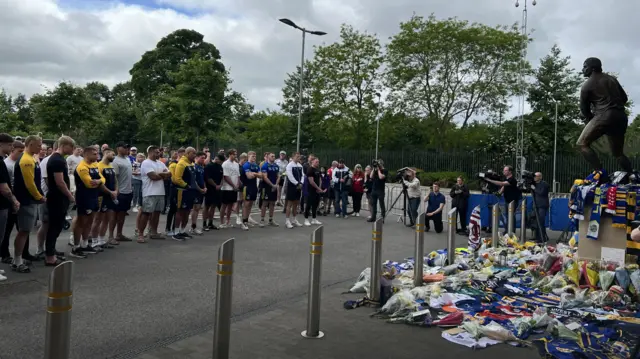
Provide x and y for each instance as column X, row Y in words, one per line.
column 509, row 190
column 378, row 176
column 540, row 190
column 413, row 193
column 460, row 200
column 435, row 204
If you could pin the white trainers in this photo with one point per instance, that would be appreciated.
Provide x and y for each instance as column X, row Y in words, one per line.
column 238, row 221
column 135, row 210
column 354, row 214
column 195, row 231
column 262, row 223
column 2, row 278
column 253, row 222
column 222, row 226
column 306, row 223
column 337, row 215
column 170, row 233
column 315, row 222
column 296, row 223
column 71, row 241
column 289, row 225
column 273, row 223
column 357, row 214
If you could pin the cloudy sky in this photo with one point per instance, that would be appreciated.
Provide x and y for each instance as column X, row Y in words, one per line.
column 45, row 41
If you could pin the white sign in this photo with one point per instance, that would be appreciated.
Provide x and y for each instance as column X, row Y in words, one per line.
column 615, row 255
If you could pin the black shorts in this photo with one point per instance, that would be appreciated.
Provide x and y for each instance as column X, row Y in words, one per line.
column 268, row 194
column 293, row 193
column 250, row 193
column 85, row 207
column 124, row 202
column 281, row 181
column 183, row 198
column 213, row 198
column 229, row 197
column 198, row 198
column 105, row 203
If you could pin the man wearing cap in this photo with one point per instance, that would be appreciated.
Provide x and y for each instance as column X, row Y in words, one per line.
column 133, row 154
column 124, row 174
column 603, row 93
column 282, row 164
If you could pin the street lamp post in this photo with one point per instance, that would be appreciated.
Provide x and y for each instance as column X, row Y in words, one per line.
column 377, row 124
column 304, row 32
column 555, row 145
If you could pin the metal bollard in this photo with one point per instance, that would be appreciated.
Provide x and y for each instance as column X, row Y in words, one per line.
column 511, row 220
column 495, row 225
column 315, row 271
column 451, row 239
column 419, row 250
column 376, row 260
column 222, row 314
column 59, row 303
column 523, row 220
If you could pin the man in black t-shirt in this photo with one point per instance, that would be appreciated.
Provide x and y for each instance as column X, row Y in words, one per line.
column 313, row 191
column 8, row 202
column 378, row 175
column 59, row 197
column 213, row 175
column 509, row 190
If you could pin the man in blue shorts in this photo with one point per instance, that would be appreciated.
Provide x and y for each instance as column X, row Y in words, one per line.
column 252, row 172
column 198, row 192
column 269, row 193
column 184, row 180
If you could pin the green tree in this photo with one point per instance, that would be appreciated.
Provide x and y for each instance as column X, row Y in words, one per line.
column 66, row 109
column 121, row 118
column 346, row 79
column 265, row 128
column 154, row 69
column 451, row 68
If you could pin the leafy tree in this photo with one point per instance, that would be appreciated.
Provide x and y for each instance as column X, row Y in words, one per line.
column 155, row 67
column 122, row 121
column 66, row 109
column 265, row 128
column 345, row 82
column 451, row 68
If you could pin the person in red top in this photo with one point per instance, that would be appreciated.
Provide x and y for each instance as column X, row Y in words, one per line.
column 357, row 190
column 334, row 164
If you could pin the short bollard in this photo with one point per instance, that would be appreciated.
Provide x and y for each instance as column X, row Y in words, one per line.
column 451, row 236
column 222, row 314
column 376, row 260
column 523, row 221
column 511, row 221
column 419, row 251
column 315, row 271
column 59, row 303
column 495, row 225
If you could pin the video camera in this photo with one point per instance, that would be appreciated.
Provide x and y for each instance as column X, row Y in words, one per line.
column 526, row 181
column 401, row 174
column 374, row 164
column 486, row 186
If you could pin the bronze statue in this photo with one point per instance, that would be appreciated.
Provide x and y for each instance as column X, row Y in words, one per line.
column 603, row 94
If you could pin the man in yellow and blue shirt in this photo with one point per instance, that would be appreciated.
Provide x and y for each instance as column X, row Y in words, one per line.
column 183, row 179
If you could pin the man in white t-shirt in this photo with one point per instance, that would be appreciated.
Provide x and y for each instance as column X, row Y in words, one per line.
column 282, row 164
column 230, row 186
column 42, row 208
column 153, row 174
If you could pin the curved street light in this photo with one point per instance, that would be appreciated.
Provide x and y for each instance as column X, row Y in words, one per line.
column 304, row 32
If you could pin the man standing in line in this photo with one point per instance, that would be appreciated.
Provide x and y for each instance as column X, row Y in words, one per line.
column 89, row 185
column 213, row 178
column 252, row 172
column 435, row 204
column 59, row 195
column 27, row 177
column 313, row 191
column 124, row 175
column 294, row 191
column 541, row 193
column 379, row 175
column 42, row 209
column 10, row 162
column 105, row 217
column 341, row 175
column 282, row 165
column 8, row 202
column 270, row 189
column 171, row 216
column 230, row 187
column 72, row 163
column 153, row 174
column 242, row 159
column 198, row 192
column 184, row 180
column 332, row 197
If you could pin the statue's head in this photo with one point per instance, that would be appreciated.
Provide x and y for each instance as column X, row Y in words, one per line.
column 591, row 65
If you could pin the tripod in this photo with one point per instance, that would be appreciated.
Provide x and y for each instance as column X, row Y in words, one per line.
column 404, row 196
column 545, row 237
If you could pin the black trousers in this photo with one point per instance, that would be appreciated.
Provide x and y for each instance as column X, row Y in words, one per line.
column 462, row 215
column 437, row 222
column 357, row 201
column 57, row 217
column 313, row 199
column 375, row 197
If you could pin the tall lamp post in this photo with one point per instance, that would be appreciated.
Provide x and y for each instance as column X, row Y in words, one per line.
column 304, row 32
column 555, row 145
column 377, row 124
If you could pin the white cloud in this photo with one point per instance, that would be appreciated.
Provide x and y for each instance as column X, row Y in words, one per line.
column 45, row 41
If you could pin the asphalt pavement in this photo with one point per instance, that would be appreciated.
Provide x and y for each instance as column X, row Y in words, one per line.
column 137, row 298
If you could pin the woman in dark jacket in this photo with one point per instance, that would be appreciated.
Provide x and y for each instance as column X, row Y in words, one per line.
column 357, row 190
column 460, row 200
